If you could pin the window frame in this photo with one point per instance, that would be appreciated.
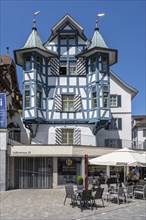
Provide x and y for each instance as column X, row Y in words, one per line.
column 27, row 97
column 39, row 98
column 28, row 63
column 67, row 101
column 67, row 132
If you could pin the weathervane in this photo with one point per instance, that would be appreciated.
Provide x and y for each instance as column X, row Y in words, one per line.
column 34, row 20
column 99, row 15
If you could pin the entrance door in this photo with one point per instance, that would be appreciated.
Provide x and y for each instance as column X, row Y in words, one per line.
column 33, row 173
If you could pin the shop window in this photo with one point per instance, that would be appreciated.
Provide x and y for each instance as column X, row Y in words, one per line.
column 27, row 97
column 28, row 65
column 67, row 136
column 68, row 103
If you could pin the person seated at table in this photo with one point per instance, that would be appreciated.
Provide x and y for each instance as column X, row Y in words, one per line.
column 129, row 177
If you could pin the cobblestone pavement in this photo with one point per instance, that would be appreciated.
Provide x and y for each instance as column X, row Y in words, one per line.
column 48, row 204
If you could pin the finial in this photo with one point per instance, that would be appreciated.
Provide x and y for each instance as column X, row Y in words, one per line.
column 99, row 15
column 7, row 50
column 34, row 20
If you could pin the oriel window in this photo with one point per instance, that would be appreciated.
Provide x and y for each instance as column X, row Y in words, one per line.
column 68, row 103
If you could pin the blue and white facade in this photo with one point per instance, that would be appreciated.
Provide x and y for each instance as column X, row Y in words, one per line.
column 73, row 104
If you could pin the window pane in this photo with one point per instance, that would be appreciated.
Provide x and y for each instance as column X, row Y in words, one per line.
column 67, row 136
column 27, row 98
column 28, row 63
column 63, row 40
column 68, row 103
column 71, row 40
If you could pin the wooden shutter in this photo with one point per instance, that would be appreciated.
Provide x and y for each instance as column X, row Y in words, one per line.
column 77, row 136
column 58, row 136
column 77, row 103
column 58, row 103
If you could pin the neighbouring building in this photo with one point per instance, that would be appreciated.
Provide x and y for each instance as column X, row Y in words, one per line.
column 12, row 130
column 139, row 131
column 73, row 104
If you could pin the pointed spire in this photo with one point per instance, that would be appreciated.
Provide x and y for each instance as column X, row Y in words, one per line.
column 34, row 39
column 97, row 40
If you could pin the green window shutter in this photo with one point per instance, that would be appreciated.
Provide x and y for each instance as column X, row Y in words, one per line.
column 77, row 136
column 58, row 136
column 77, row 103
column 58, row 103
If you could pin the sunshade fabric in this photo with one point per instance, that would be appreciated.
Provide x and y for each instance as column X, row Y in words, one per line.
column 122, row 157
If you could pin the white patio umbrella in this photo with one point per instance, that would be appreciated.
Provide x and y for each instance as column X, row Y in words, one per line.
column 122, row 157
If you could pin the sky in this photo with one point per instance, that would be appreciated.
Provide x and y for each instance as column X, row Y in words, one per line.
column 123, row 28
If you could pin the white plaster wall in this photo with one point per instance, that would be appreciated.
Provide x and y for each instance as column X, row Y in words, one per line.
column 46, row 134
column 117, row 89
column 140, row 135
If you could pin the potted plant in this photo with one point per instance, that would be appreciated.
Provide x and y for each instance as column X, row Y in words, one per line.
column 79, row 180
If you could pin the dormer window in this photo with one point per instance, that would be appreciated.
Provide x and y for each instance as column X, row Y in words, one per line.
column 71, row 40
column 63, row 40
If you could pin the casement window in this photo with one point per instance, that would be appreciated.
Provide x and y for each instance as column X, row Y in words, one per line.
column 144, row 132
column 67, row 136
column 103, row 64
column 38, row 64
column 68, row 103
column 105, row 99
column 94, row 97
column 63, row 40
column 93, row 64
column 113, row 143
column 72, row 68
column 39, row 97
column 27, row 96
column 63, row 68
column 116, row 123
column 115, row 101
column 28, row 64
column 71, row 40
